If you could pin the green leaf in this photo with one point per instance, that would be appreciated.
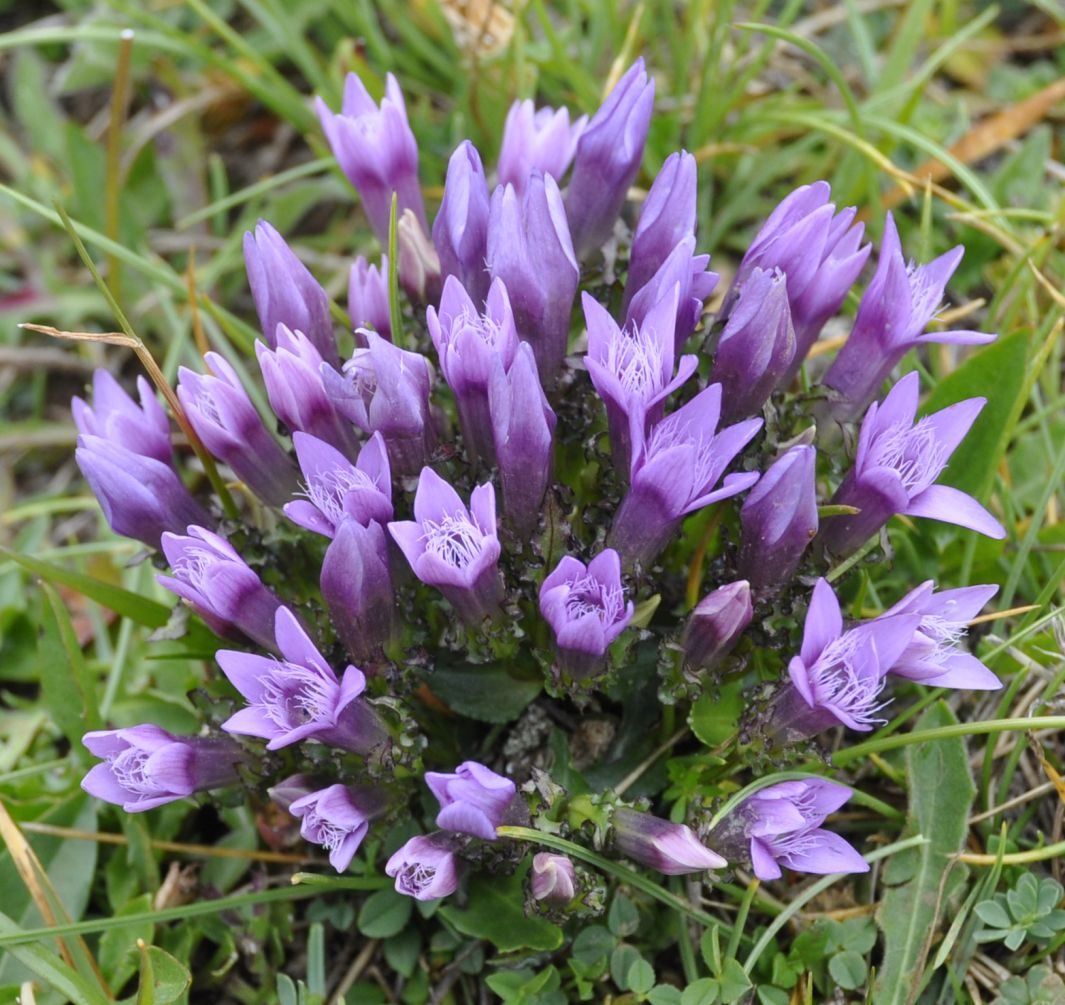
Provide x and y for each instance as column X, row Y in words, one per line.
column 401, row 951
column 641, row 977
column 485, row 692
column 664, row 994
column 384, row 914
column 622, row 960
column 67, row 689
column 1049, row 895
column 848, row 970
column 593, row 945
column 996, row 373
column 163, row 978
column 495, row 913
column 124, row 602
column 941, row 795
column 734, row 981
column 117, row 954
column 622, row 918
column 715, row 717
column 700, row 992
column 49, row 968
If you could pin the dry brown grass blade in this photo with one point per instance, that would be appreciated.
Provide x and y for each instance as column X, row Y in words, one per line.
column 995, row 615
column 197, row 850
column 1048, row 769
column 45, row 895
column 147, row 360
column 987, row 136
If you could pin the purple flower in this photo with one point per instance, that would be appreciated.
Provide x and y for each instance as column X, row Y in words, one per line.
column 335, row 488
column 779, row 519
column 385, row 389
column 142, row 429
column 632, row 369
column 553, row 878
column 285, row 292
column 892, row 317
column 781, row 825
column 368, row 297
column 460, row 230
column 529, row 248
column 895, row 465
column 468, row 343
column 357, row 588
column 667, row 217
column 523, row 427
column 838, row 675
column 473, row 799
column 337, row 818
column 292, row 373
column 299, row 697
column 425, row 867
column 454, row 548
column 672, row 849
column 687, row 272
column 757, row 345
column 608, row 156
column 229, row 425
column 219, row 585
column 585, row 607
column 935, row 655
column 537, row 139
column 716, row 625
column 674, row 471
column 819, row 252
column 140, row 497
column 376, row 150
column 145, row 766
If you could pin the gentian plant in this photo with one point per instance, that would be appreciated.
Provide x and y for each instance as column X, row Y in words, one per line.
column 508, row 500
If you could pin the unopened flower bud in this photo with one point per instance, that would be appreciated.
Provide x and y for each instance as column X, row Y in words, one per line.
column 671, row 849
column 779, row 519
column 716, row 624
column 553, row 878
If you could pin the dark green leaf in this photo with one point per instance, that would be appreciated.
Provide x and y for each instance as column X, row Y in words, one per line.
column 486, row 692
column 593, row 945
column 384, row 914
column 996, row 373
column 129, row 605
column 401, row 951
column 622, row 960
column 714, row 717
column 622, row 918
column 848, row 970
column 941, row 795
column 495, row 913
column 68, row 691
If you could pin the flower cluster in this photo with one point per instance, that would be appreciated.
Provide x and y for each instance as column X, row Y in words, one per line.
column 528, row 522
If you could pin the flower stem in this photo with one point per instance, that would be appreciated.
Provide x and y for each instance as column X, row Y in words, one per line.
column 860, row 750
